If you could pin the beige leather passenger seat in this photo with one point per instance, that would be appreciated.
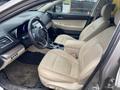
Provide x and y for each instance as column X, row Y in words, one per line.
column 93, row 29
column 60, row 70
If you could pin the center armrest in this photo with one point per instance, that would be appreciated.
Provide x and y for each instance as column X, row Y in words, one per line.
column 73, row 47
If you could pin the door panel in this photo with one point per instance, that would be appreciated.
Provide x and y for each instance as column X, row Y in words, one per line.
column 71, row 16
column 70, row 22
column 70, row 25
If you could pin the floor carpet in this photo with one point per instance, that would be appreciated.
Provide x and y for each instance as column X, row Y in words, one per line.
column 22, row 74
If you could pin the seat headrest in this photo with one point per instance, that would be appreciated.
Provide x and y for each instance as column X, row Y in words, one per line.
column 107, row 10
column 117, row 18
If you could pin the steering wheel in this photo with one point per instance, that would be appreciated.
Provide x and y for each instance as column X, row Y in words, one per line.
column 38, row 33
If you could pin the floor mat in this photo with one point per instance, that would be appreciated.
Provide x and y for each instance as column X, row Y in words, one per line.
column 7, row 85
column 31, row 58
column 22, row 74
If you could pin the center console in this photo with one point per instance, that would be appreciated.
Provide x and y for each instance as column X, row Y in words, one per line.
column 54, row 45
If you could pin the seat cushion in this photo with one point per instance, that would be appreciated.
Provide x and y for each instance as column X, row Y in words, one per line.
column 59, row 66
column 61, row 39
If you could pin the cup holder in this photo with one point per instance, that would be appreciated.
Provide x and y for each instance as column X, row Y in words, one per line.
column 56, row 46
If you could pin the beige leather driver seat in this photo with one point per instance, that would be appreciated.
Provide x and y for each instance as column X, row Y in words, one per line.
column 93, row 29
column 60, row 70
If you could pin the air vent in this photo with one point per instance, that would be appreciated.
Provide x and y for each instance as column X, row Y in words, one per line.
column 5, row 41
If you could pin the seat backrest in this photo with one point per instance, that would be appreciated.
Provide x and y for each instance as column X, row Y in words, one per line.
column 99, row 24
column 91, row 53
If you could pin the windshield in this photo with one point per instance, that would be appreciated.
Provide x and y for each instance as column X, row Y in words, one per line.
column 3, row 2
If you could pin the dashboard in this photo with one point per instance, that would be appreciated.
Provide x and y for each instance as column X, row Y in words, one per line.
column 14, row 38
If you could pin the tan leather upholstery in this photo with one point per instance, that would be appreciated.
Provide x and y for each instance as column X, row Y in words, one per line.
column 76, row 25
column 63, row 38
column 59, row 69
column 93, row 29
column 105, row 12
column 73, row 46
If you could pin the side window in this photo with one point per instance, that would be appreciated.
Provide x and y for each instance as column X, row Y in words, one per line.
column 117, row 3
column 76, row 6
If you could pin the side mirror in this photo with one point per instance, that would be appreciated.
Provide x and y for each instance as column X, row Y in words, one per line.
column 58, row 8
